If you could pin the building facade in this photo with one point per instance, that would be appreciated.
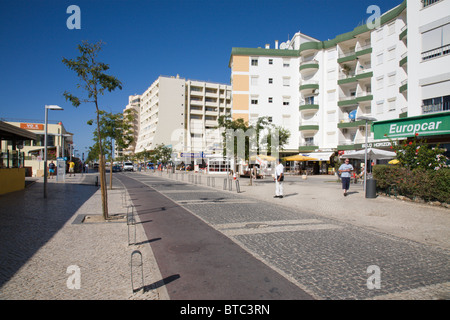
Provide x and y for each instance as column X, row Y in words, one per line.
column 59, row 142
column 319, row 89
column 180, row 113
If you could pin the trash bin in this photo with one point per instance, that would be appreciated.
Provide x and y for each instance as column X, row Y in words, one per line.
column 371, row 188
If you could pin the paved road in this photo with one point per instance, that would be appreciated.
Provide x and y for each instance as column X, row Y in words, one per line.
column 208, row 242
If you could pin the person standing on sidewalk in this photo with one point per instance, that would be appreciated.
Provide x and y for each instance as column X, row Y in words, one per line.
column 51, row 169
column 345, row 170
column 279, row 178
column 71, row 168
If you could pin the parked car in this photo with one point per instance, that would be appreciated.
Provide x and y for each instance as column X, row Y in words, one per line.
column 116, row 168
column 128, row 166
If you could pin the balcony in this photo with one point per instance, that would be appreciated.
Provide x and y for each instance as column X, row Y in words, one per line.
column 309, row 67
column 436, row 107
column 351, row 100
column 404, row 86
column 309, row 85
column 307, row 108
column 309, row 126
column 404, row 60
column 349, row 56
column 430, row 54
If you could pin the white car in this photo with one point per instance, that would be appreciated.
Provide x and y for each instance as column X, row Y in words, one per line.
column 128, row 166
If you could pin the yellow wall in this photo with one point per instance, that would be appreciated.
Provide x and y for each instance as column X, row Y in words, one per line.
column 12, row 180
column 240, row 101
column 241, row 63
column 240, row 115
column 240, row 82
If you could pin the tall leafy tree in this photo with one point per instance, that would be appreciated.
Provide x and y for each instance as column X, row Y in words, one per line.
column 94, row 81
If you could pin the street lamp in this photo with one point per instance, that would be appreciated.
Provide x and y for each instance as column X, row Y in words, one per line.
column 47, row 107
column 366, row 119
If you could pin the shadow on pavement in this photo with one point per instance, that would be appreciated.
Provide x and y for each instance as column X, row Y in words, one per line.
column 28, row 221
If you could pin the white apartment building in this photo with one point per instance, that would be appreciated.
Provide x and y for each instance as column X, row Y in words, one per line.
column 180, row 113
column 319, row 89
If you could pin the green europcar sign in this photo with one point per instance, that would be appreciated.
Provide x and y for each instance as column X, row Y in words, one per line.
column 427, row 125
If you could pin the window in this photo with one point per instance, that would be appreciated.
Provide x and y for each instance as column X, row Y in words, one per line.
column 380, row 106
column 436, row 104
column 380, row 58
column 391, row 28
column 391, row 79
column 286, row 101
column 286, row 120
column 391, row 53
column 309, row 100
column 254, row 80
column 391, row 104
column 270, row 80
column 286, row 82
column 380, row 82
column 286, row 63
column 254, row 101
column 331, row 95
column 270, row 99
column 270, row 61
column 436, row 42
column 254, row 62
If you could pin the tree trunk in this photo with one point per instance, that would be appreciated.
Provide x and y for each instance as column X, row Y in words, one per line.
column 110, row 168
column 102, row 169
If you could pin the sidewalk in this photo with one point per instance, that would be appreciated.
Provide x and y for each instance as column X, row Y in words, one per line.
column 322, row 195
column 42, row 239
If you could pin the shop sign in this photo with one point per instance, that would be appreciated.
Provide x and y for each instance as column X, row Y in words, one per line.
column 32, row 126
column 428, row 125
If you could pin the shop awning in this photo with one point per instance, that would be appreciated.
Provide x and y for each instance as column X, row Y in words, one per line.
column 320, row 156
column 10, row 132
column 372, row 154
column 299, row 157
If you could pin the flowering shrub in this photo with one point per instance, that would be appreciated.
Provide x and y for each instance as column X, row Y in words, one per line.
column 416, row 153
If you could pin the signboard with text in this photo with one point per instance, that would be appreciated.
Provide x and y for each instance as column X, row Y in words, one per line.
column 426, row 125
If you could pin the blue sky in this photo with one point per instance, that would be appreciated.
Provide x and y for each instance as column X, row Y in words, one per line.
column 145, row 39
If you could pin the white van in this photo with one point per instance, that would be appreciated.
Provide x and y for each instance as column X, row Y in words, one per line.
column 128, row 166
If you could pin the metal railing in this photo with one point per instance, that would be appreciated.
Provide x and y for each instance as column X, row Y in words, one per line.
column 442, row 51
column 436, row 107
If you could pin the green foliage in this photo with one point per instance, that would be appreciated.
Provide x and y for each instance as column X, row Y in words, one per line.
column 416, row 153
column 263, row 130
column 429, row 185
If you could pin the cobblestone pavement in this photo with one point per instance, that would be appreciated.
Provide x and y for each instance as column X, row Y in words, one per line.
column 44, row 241
column 328, row 258
column 320, row 245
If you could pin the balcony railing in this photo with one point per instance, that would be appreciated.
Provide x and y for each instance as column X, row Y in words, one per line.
column 436, row 107
column 426, row 3
column 442, row 51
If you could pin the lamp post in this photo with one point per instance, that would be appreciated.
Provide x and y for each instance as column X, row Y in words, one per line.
column 47, row 107
column 366, row 119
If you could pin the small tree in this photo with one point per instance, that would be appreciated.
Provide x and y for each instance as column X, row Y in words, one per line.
column 94, row 81
column 116, row 130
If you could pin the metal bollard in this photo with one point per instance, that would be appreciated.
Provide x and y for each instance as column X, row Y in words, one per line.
column 136, row 264
column 238, row 189
column 225, row 184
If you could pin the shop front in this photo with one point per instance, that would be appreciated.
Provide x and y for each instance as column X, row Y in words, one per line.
column 434, row 128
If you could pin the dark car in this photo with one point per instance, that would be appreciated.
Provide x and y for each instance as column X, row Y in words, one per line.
column 116, row 169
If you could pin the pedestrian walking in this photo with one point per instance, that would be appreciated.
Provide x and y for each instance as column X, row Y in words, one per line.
column 345, row 170
column 51, row 169
column 71, row 168
column 279, row 178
